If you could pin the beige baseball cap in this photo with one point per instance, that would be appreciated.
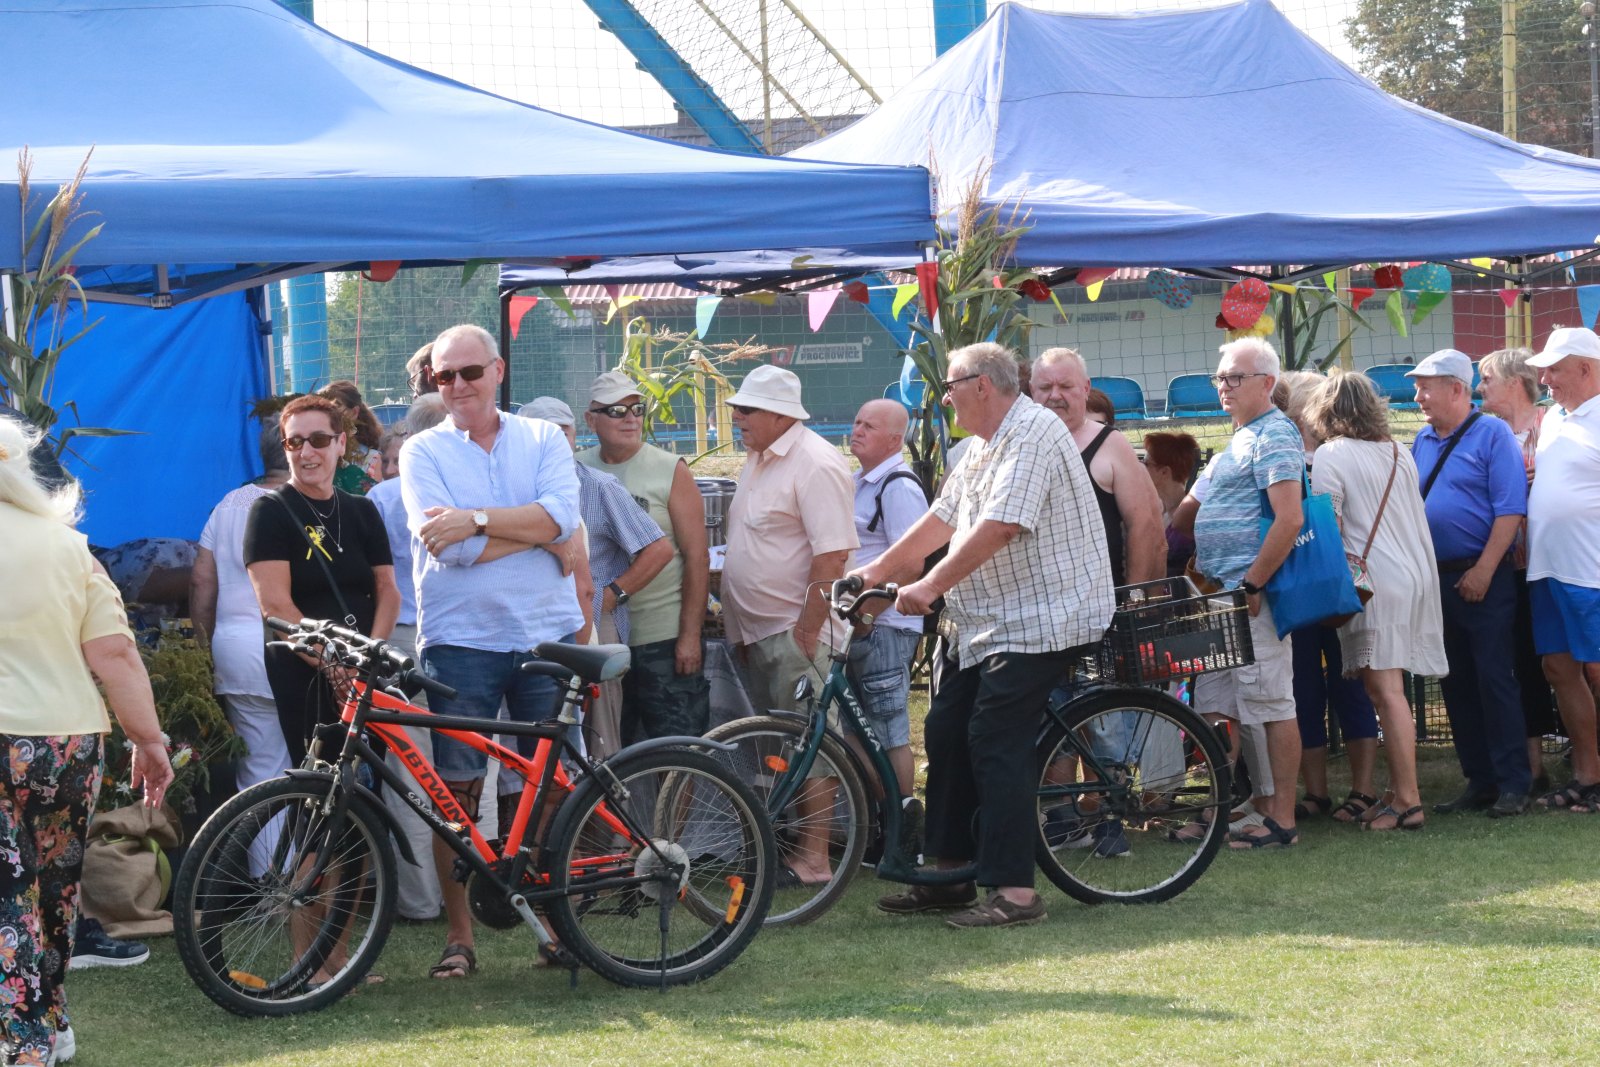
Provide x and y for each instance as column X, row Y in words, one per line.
column 612, row 387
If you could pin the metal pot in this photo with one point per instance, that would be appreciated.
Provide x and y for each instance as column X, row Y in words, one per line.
column 717, row 493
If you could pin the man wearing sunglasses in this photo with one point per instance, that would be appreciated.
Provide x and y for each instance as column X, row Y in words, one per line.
column 484, row 491
column 665, row 691
column 791, row 526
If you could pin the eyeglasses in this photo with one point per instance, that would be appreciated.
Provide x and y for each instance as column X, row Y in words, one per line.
column 950, row 383
column 467, row 374
column 318, row 440
column 741, row 409
column 621, row 411
column 1233, row 381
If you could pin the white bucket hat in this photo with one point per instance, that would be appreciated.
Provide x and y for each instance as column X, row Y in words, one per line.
column 771, row 389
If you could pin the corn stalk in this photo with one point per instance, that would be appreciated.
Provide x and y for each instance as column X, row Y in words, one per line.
column 668, row 365
column 30, row 354
column 980, row 299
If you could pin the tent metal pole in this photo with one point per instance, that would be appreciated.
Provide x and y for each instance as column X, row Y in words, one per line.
column 505, row 350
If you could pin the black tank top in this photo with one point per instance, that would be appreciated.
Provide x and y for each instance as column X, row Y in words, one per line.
column 1109, row 515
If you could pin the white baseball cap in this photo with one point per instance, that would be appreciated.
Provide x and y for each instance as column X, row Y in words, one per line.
column 1445, row 363
column 771, row 389
column 1564, row 342
column 612, row 387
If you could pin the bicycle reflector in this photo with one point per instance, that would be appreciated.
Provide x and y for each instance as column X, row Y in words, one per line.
column 736, row 898
column 777, row 763
column 249, row 981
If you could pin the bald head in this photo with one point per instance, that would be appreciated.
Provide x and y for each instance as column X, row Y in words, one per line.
column 878, row 432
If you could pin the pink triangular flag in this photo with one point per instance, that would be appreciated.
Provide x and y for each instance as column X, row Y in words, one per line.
column 1508, row 297
column 818, row 303
column 520, row 306
column 613, row 291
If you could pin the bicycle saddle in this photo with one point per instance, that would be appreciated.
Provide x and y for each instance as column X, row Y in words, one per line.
column 592, row 663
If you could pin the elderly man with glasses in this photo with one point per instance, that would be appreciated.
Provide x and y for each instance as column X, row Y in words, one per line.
column 1027, row 588
column 482, row 492
column 665, row 692
column 1264, row 459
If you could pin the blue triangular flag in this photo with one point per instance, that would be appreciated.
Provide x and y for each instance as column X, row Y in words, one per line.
column 1589, row 303
column 704, row 308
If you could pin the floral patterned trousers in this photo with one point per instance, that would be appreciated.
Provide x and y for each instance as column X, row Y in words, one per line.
column 47, row 793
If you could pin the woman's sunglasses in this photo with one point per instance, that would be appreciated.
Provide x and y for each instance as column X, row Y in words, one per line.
column 318, row 440
column 467, row 374
column 621, row 411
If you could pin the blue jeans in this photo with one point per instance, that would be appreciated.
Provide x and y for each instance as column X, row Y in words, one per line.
column 481, row 680
column 880, row 671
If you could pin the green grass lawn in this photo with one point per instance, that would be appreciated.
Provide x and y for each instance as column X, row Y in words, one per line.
column 1471, row 942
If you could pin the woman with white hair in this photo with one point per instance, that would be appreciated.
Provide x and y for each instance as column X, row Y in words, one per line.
column 63, row 626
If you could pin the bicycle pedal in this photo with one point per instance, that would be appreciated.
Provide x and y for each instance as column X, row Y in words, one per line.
column 459, row 871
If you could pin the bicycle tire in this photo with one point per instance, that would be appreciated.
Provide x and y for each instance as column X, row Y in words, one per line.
column 241, row 923
column 694, row 810
column 1157, row 830
column 758, row 741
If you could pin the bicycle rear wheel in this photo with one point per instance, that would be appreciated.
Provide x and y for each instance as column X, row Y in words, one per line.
column 279, row 908
column 831, row 806
column 697, row 815
column 1133, row 797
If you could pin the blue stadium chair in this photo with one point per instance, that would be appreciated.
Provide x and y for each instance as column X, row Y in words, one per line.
column 1126, row 396
column 1393, row 385
column 1192, row 395
column 389, row 414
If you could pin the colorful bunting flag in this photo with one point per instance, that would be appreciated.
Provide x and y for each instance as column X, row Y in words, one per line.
column 764, row 298
column 1088, row 276
column 858, row 292
column 1589, row 303
column 818, row 303
column 381, row 270
column 928, row 285
column 1508, row 297
column 619, row 303
column 520, row 306
column 704, row 308
column 1395, row 307
column 1358, row 294
column 1426, row 302
column 1330, row 279
column 1093, row 289
column 1283, row 287
column 903, row 295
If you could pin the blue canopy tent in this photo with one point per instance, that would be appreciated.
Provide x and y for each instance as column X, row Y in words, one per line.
column 1211, row 138
column 237, row 143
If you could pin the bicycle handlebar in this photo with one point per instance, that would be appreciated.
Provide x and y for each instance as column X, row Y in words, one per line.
column 367, row 651
column 849, row 595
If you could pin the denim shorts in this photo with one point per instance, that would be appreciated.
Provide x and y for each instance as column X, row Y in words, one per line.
column 481, row 681
column 880, row 671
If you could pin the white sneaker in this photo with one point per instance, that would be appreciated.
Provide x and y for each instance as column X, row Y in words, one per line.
column 66, row 1047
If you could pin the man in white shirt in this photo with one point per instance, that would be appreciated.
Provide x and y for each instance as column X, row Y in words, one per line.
column 1564, row 551
column 889, row 501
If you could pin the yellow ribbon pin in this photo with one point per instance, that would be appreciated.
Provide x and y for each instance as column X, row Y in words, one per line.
column 314, row 534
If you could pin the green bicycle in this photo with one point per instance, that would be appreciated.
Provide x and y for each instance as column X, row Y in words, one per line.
column 1130, row 780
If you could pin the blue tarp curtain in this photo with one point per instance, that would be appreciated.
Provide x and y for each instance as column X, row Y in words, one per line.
column 183, row 378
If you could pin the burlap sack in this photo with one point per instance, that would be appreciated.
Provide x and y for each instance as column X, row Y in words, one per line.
column 123, row 883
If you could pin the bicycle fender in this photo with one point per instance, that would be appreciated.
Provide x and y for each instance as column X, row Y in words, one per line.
column 402, row 844
column 670, row 741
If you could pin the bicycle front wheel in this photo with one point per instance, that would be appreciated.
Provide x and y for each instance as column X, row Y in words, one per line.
column 1133, row 797
column 698, row 818
column 827, row 815
column 279, row 908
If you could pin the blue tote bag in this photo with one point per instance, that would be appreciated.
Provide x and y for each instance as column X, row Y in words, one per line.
column 1314, row 583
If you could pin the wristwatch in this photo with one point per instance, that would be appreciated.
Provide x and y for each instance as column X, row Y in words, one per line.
column 620, row 593
column 480, row 523
column 1249, row 587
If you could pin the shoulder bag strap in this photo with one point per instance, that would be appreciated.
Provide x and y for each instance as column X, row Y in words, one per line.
column 312, row 548
column 1449, row 447
column 1376, row 519
column 877, row 510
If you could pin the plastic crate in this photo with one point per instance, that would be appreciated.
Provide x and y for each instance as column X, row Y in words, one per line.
column 1167, row 630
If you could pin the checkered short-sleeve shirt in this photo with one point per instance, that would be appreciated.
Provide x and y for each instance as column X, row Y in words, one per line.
column 1050, row 588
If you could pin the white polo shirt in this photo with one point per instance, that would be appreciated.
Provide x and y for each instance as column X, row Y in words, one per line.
column 1564, row 503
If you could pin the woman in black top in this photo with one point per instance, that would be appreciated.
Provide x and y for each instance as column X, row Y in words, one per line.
column 296, row 538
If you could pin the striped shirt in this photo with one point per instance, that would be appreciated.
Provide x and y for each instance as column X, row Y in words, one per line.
column 1048, row 589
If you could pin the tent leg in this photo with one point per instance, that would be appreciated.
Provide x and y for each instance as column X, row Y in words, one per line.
column 505, row 350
